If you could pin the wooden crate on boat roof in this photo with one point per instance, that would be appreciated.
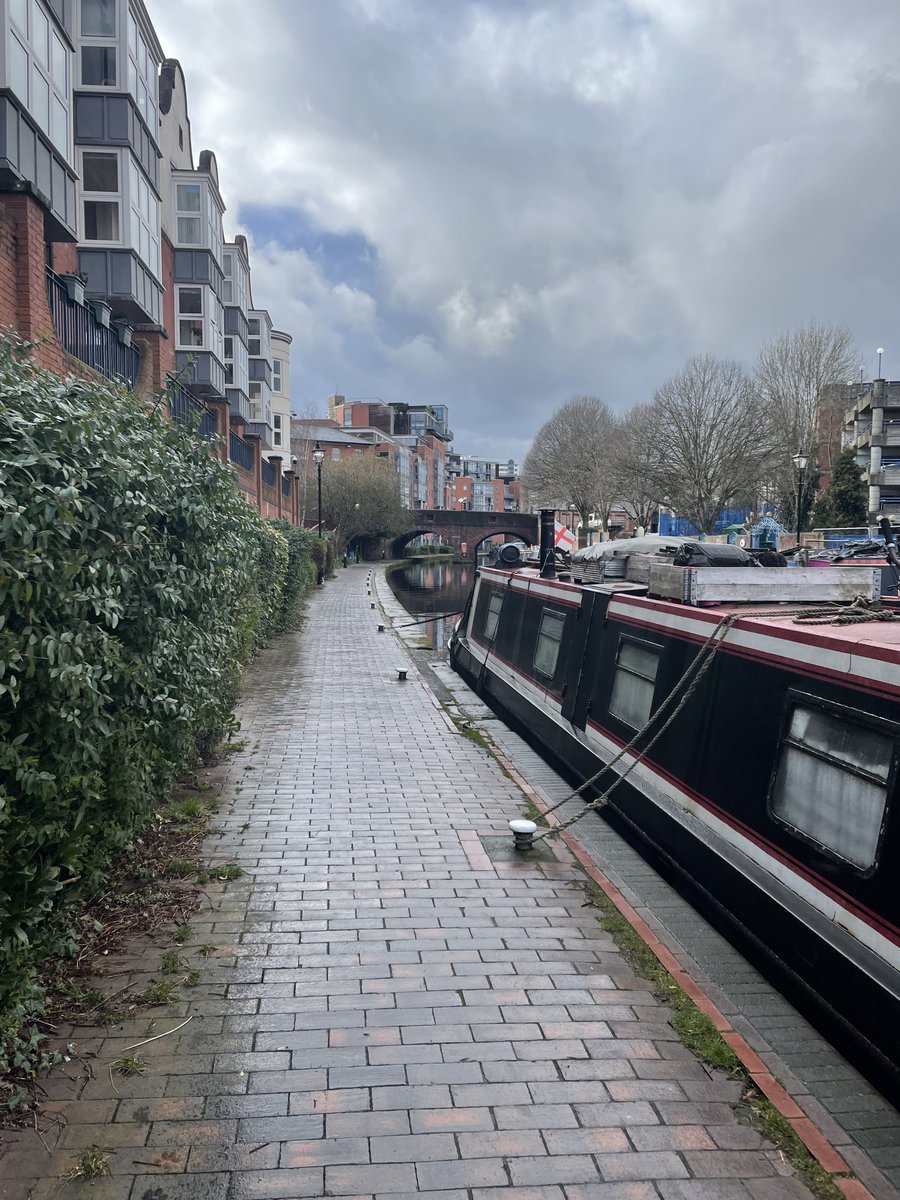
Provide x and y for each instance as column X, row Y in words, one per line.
column 763, row 585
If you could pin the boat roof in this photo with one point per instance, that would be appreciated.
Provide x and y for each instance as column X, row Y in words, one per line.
column 878, row 638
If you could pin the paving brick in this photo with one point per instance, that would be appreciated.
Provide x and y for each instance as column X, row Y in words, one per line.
column 651, row 1165
column 272, row 1185
column 471, row 1173
column 368, row 1180
column 562, row 1168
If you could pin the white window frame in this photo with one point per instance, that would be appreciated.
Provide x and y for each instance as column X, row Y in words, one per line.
column 91, row 197
column 810, row 822
column 200, row 318
column 192, row 214
column 277, row 426
column 276, row 376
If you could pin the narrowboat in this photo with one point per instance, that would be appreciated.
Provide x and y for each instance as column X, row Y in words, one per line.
column 772, row 797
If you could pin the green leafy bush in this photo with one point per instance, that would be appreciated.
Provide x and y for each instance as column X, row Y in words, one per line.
column 134, row 584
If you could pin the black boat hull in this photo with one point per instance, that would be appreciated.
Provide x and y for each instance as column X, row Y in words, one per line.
column 842, row 985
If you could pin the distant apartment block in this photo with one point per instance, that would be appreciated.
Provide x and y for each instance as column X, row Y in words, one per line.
column 112, row 252
column 413, row 438
column 872, row 428
column 480, row 485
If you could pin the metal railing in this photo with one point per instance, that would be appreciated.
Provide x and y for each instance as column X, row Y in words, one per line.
column 187, row 410
column 81, row 334
column 285, row 486
column 240, row 452
column 268, row 473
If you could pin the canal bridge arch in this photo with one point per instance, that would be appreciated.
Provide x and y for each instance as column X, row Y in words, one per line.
column 469, row 529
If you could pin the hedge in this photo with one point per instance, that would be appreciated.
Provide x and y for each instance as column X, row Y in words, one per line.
column 135, row 583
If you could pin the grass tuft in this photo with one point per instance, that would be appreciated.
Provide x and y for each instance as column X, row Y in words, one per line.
column 91, row 1163
column 130, row 1065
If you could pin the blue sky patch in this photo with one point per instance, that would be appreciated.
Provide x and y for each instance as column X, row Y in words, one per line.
column 342, row 257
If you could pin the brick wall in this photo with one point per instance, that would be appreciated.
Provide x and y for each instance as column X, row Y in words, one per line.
column 23, row 278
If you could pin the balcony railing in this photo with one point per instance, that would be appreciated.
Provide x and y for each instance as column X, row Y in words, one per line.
column 285, row 486
column 81, row 334
column 240, row 452
column 187, row 410
column 268, row 473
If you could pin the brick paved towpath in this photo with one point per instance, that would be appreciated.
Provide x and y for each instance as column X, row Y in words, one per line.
column 389, row 1011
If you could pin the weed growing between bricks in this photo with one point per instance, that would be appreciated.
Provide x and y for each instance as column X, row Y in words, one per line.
column 700, row 1035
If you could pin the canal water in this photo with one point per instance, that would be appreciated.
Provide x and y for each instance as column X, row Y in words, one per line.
column 430, row 588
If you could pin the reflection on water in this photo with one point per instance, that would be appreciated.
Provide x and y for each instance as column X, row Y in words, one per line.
column 433, row 587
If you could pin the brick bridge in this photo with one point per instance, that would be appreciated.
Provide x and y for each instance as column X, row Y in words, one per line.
column 469, row 529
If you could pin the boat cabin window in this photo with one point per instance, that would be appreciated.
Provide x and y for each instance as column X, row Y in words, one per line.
column 634, row 682
column 831, row 782
column 546, row 652
column 492, row 615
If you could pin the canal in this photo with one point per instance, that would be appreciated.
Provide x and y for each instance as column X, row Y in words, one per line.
column 428, row 587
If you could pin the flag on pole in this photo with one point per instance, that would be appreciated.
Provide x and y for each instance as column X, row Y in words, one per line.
column 564, row 539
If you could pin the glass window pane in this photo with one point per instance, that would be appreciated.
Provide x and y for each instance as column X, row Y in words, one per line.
column 40, row 34
column 190, row 300
column 631, row 699
column 634, row 682
column 188, row 197
column 132, row 35
column 227, row 291
column 190, row 333
column 18, row 10
column 98, row 66
column 100, row 172
column 40, row 99
column 855, row 744
column 59, row 124
column 98, row 18
column 59, row 66
column 547, row 650
column 18, row 69
column 101, row 221
column 492, row 616
column 833, row 807
column 253, row 346
column 189, row 230
column 641, row 659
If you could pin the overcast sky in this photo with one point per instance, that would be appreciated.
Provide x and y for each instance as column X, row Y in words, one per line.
column 496, row 204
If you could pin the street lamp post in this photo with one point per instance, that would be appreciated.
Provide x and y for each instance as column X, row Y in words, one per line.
column 800, row 460
column 318, row 458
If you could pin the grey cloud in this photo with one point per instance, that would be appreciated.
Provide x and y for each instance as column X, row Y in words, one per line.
column 564, row 195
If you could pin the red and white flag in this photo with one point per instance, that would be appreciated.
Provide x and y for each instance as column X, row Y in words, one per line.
column 564, row 539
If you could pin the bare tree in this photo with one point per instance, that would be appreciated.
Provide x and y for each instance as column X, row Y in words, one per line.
column 711, row 447
column 800, row 378
column 361, row 499
column 638, row 453
column 572, row 462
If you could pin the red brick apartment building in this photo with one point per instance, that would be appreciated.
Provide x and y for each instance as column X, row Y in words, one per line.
column 112, row 254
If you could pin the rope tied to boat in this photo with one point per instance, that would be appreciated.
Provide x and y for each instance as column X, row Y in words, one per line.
column 857, row 613
column 861, row 609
